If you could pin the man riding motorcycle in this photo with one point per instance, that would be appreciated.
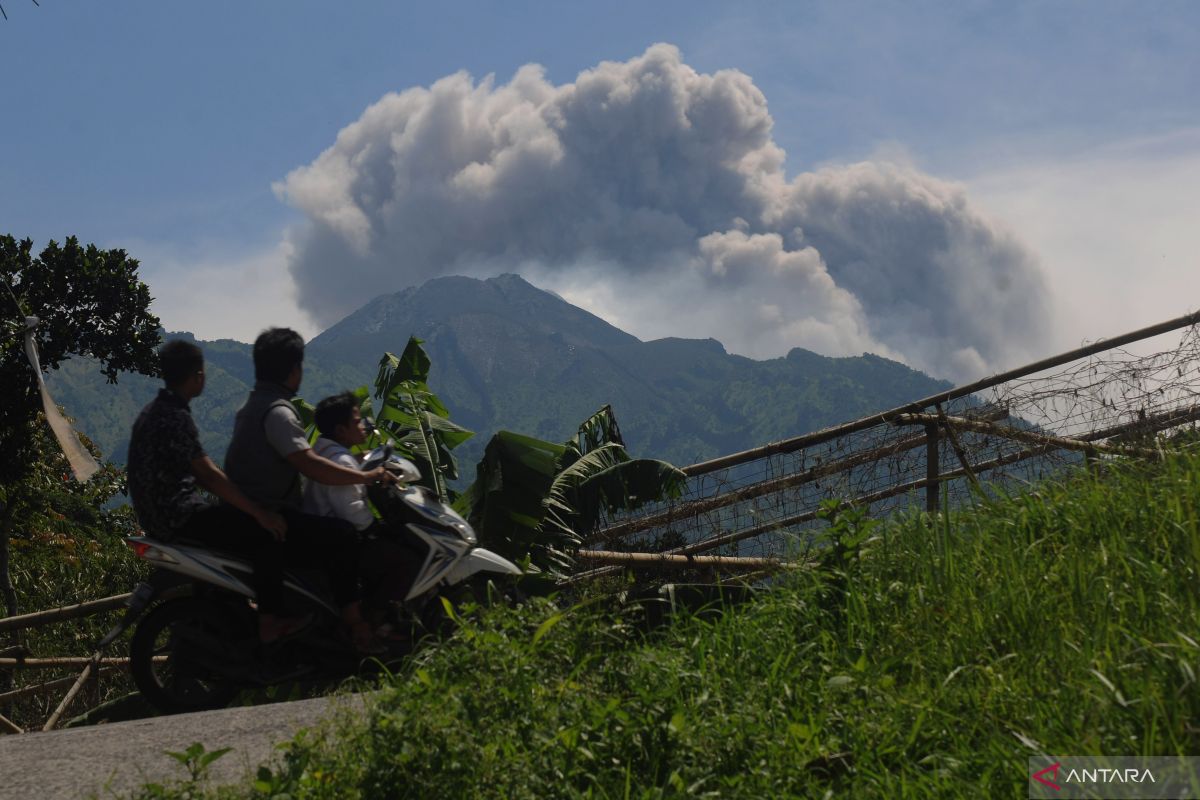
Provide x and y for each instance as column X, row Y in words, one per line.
column 267, row 456
column 168, row 467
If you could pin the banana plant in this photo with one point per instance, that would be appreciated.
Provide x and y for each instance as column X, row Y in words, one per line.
column 415, row 420
column 534, row 500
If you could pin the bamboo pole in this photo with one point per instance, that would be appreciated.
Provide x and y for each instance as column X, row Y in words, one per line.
column 1152, row 424
column 8, row 726
column 59, row 614
column 867, row 499
column 667, row 559
column 93, row 689
column 944, row 421
column 60, row 661
column 51, row 686
column 768, row 487
column 757, row 489
column 932, row 470
column 883, row 494
column 72, row 692
column 1030, row 437
column 827, row 434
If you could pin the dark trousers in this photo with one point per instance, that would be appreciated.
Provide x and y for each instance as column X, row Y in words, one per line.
column 320, row 543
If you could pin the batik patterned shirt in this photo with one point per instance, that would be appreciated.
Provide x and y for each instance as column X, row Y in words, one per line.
column 162, row 448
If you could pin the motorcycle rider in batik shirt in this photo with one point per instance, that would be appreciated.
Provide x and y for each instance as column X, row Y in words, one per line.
column 167, row 468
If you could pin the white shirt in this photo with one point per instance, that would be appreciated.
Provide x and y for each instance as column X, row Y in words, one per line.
column 344, row 502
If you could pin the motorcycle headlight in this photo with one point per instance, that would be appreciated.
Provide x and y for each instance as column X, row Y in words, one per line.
column 430, row 507
column 459, row 524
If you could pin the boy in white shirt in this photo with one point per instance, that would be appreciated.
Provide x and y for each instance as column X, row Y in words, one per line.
column 341, row 426
column 386, row 566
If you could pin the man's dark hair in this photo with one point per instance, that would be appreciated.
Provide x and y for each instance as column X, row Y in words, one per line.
column 334, row 411
column 178, row 360
column 277, row 351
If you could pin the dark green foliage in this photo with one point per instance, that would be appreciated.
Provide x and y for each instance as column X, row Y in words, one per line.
column 533, row 500
column 419, row 423
column 66, row 547
column 90, row 303
column 506, row 502
column 49, row 500
column 603, row 481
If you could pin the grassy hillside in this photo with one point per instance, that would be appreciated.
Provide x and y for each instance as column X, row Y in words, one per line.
column 929, row 662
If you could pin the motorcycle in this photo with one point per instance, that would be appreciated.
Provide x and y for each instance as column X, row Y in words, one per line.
column 195, row 645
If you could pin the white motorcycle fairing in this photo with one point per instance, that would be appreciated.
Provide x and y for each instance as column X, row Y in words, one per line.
column 481, row 560
column 225, row 570
column 452, row 559
column 445, row 548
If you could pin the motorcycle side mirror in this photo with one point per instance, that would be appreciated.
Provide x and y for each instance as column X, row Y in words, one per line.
column 404, row 470
column 376, row 457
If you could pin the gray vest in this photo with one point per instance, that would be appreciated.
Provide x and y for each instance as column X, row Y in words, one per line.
column 251, row 462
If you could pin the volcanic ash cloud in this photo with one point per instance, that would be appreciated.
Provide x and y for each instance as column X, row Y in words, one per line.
column 656, row 195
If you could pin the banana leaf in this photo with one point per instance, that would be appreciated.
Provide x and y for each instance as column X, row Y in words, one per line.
column 598, row 429
column 418, row 424
column 603, row 481
column 533, row 500
column 410, row 366
column 506, row 507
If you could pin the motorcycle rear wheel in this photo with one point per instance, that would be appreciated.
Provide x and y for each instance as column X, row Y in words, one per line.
column 163, row 654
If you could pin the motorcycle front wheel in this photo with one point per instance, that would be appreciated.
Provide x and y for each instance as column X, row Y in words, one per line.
column 177, row 652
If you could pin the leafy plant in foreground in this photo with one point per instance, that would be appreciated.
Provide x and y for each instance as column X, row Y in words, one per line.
column 535, row 500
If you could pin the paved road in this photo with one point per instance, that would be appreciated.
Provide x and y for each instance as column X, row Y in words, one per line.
column 114, row 759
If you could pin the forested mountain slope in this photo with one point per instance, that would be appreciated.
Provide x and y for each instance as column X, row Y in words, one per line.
column 507, row 355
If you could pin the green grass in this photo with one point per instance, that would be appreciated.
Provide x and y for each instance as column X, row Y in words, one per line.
column 939, row 656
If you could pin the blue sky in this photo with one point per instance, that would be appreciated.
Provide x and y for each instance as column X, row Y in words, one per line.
column 161, row 127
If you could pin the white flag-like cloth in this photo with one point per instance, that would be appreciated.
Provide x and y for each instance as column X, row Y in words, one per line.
column 81, row 461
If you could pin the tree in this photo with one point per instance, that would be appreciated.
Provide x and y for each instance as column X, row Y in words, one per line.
column 90, row 302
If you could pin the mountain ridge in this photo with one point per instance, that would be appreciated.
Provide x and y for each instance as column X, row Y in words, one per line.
column 507, row 355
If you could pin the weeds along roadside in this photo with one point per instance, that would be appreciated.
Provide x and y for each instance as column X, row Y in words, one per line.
column 1063, row 620
column 59, row 563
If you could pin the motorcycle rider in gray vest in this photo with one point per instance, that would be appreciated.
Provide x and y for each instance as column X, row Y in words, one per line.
column 267, row 458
